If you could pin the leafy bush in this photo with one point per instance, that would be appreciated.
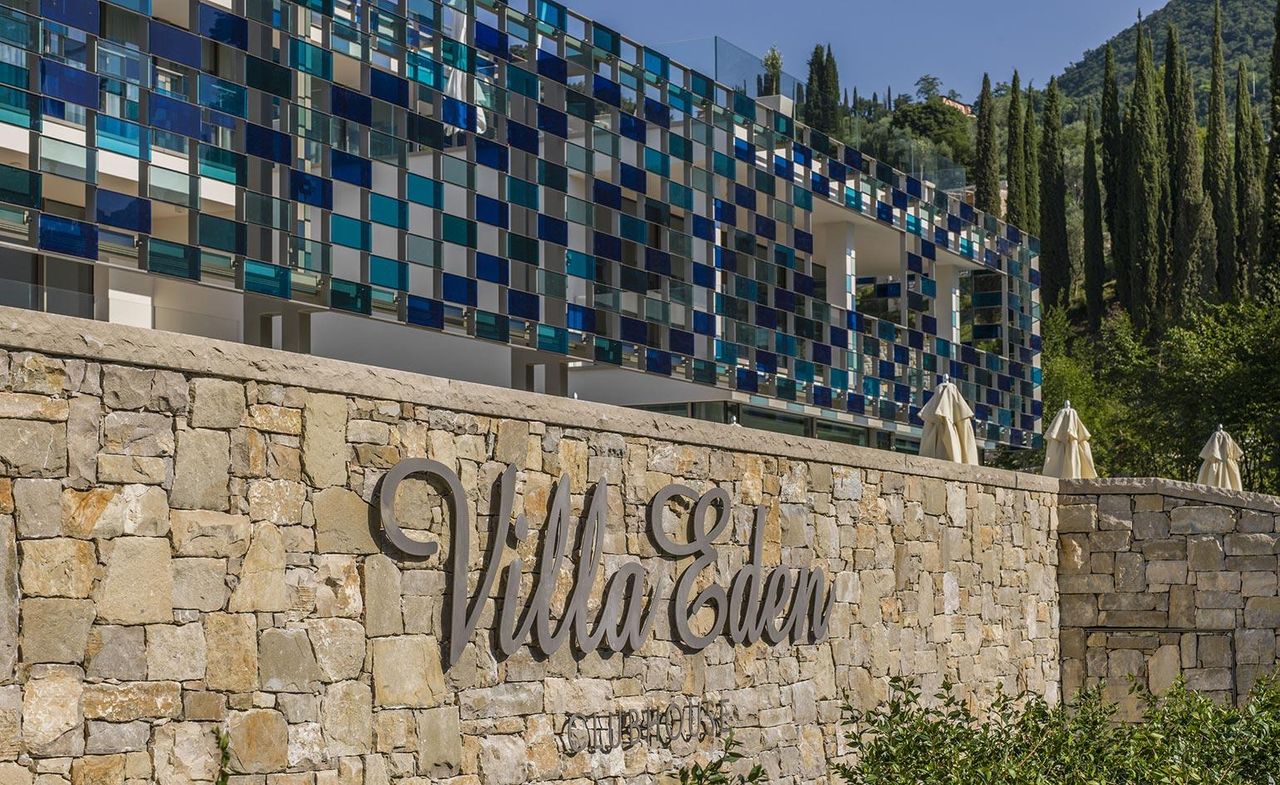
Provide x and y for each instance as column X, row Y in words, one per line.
column 714, row 773
column 1184, row 737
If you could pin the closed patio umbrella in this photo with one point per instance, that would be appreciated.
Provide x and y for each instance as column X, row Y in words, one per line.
column 948, row 426
column 1221, row 467
column 1067, row 454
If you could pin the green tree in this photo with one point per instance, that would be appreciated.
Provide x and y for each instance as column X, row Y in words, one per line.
column 831, row 104
column 1015, row 160
column 1113, row 177
column 1031, row 154
column 815, row 112
column 772, row 72
column 928, row 86
column 1146, row 178
column 986, row 178
column 1248, row 179
column 1187, row 267
column 1055, row 254
column 1217, row 167
column 1095, row 262
column 1271, row 225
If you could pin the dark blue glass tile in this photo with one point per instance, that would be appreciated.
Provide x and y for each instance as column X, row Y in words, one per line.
column 458, row 289
column 804, row 241
column 523, row 305
column 608, row 246
column 491, row 211
column 633, row 128
column 704, row 323
column 704, row 275
column 748, row 380
column 310, row 189
column 351, row 105
column 607, row 91
column 268, row 143
column 522, row 137
column 350, row 168
column 493, row 269
column 725, row 213
column 633, row 178
column 492, row 155
column 492, row 41
column 553, row 230
column 681, row 342
column 703, row 228
column 388, row 87
column 657, row 361
column 657, row 112
column 552, row 67
column 68, row 84
column 173, row 44
column 80, row 14
column 744, row 196
column 607, row 194
column 63, row 235
column 424, row 312
column 124, row 211
column 766, row 227
column 458, row 114
column 633, row 330
column 656, row 261
column 580, row 318
column 552, row 121
column 766, row 318
column 223, row 26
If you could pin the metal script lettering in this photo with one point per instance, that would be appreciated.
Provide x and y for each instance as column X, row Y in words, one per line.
column 794, row 604
column 693, row 721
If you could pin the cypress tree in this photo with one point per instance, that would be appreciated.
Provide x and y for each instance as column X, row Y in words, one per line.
column 1055, row 256
column 1217, row 167
column 816, row 92
column 1031, row 172
column 1112, row 177
column 1248, row 189
column 1146, row 176
column 986, row 179
column 1187, row 265
column 832, row 86
column 1269, row 267
column 1015, row 163
column 1095, row 263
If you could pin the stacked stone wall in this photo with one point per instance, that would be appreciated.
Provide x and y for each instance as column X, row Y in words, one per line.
column 189, row 553
column 1161, row 580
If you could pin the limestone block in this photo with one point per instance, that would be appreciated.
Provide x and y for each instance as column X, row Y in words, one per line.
column 347, row 718
column 15, row 774
column 107, row 512
column 407, row 672
column 217, row 403
column 98, row 770
column 258, row 741
column 206, row 533
column 439, row 735
column 185, row 753
column 137, row 433
column 52, row 711
column 1201, row 519
column 29, row 406
column 10, row 722
column 275, row 419
column 324, row 448
column 1205, row 553
column 116, row 653
column 339, row 646
column 199, row 584
column 262, row 585
column 33, row 449
column 201, row 471
column 231, row 644
column 56, row 630
column 1251, row 544
column 277, row 501
column 1077, row 518
column 286, row 662
column 126, row 388
column 306, row 747
column 106, row 738
column 1262, row 612
column 503, row 759
column 138, row 586
column 38, row 507
column 84, row 421
column 175, row 652
column 382, row 597
column 336, row 587
column 125, row 469
column 8, row 598
column 58, row 567
column 344, row 522
column 133, row 701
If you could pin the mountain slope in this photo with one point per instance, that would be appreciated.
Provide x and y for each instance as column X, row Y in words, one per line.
column 1247, row 33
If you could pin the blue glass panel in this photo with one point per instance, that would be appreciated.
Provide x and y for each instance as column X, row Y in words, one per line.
column 350, row 296
column 389, row 211
column 173, row 44
column 269, row 279
column 522, row 137
column 269, row 144
column 222, row 95
column 607, row 90
column 351, row 105
column 350, row 168
column 493, row 269
column 350, row 232
column 491, row 211
column 492, row 154
column 168, row 258
column 552, row 121
column 68, row 84
column 491, row 40
column 553, row 230
column 120, row 136
column 523, row 305
column 422, row 190
column 425, row 312
column 388, row 87
column 124, row 211
column 551, row 13
column 310, row 189
column 458, row 289
column 552, row 67
column 63, row 235
column 173, row 115
column 223, row 26
column 580, row 318
column 80, row 14
column 458, row 114
column 388, row 273
column 632, row 127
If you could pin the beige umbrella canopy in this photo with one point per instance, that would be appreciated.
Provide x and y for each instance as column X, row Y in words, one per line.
column 1067, row 454
column 1221, row 467
column 948, row 427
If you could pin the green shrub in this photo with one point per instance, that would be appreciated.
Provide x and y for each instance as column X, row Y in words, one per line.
column 1184, row 737
column 714, row 773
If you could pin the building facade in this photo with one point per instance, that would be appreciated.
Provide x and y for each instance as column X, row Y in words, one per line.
column 556, row 207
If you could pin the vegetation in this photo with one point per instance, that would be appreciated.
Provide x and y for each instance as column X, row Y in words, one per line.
column 1183, row 737
column 716, row 772
column 772, row 83
column 986, row 176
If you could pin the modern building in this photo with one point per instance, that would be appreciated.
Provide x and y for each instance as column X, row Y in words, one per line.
column 504, row 192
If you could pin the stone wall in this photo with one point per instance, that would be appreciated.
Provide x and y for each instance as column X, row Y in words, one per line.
column 1161, row 579
column 187, row 555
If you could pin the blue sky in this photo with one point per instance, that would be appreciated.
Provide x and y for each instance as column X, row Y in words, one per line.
column 888, row 43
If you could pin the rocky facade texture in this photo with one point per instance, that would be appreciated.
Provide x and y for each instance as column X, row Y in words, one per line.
column 189, row 559
column 1161, row 579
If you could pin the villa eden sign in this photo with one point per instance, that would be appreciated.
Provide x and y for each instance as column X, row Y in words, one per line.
column 785, row 603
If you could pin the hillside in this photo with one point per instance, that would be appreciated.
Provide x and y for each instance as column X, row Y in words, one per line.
column 1247, row 33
